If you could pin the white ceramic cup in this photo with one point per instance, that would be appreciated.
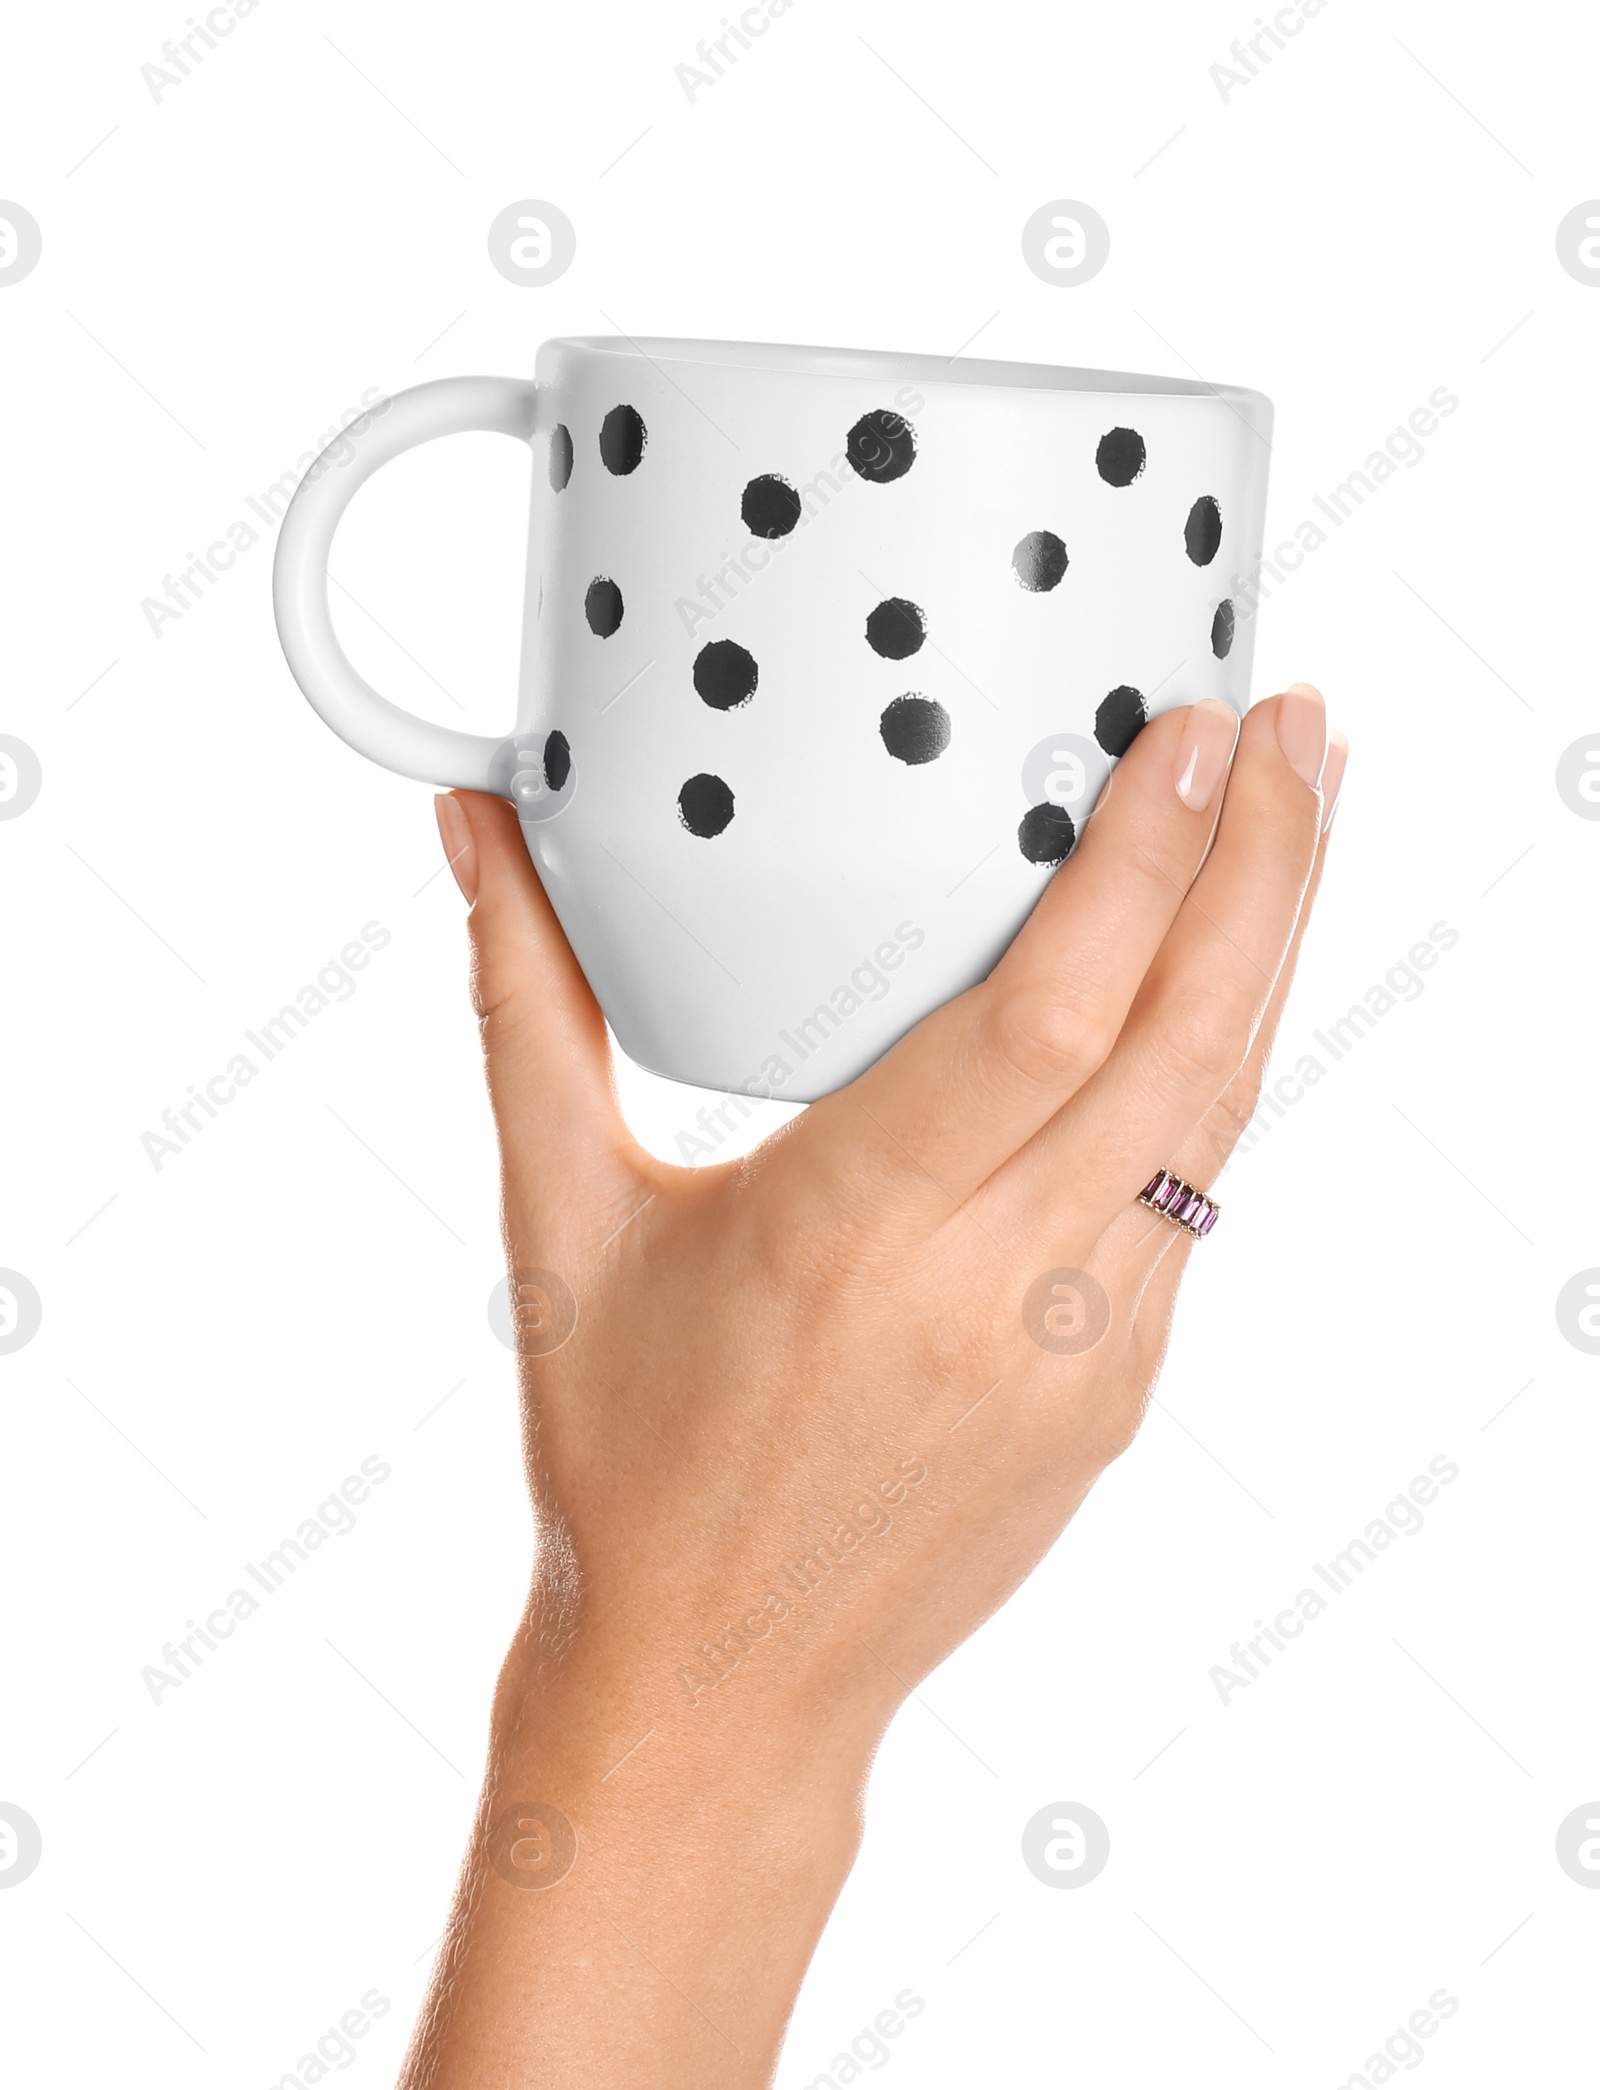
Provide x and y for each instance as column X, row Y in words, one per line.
column 826, row 656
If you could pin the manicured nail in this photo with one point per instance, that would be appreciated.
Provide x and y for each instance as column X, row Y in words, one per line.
column 1333, row 776
column 1303, row 730
column 460, row 850
column 1204, row 753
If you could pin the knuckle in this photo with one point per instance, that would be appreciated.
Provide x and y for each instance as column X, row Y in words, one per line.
column 1286, row 833
column 1110, row 1430
column 1203, row 1043
column 503, row 998
column 1293, row 859
column 1233, row 1110
column 1157, row 862
column 1048, row 1038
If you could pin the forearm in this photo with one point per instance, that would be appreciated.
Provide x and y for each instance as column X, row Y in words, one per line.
column 664, row 1940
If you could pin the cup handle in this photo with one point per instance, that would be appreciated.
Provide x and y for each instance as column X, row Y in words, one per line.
column 343, row 699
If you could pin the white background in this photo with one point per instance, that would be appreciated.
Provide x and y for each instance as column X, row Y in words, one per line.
column 305, row 1285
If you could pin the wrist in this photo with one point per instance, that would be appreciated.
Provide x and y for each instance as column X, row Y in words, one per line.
column 601, row 1733
column 758, row 1678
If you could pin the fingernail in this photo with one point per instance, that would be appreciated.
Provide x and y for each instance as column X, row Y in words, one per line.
column 1204, row 753
column 460, row 850
column 1303, row 730
column 1333, row 776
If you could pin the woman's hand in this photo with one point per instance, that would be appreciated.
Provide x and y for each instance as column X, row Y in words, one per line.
column 821, row 1410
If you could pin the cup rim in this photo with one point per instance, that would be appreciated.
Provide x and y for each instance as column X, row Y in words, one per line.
column 804, row 360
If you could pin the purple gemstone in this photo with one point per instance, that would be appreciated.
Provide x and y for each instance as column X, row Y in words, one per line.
column 1150, row 1189
column 1174, row 1194
column 1187, row 1206
column 1209, row 1221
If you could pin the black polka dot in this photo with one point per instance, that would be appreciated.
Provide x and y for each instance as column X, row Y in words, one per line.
column 1119, row 720
column 557, row 760
column 915, row 729
column 896, row 628
column 1046, row 834
column 705, row 805
column 560, row 456
column 882, row 446
column 1222, row 630
column 602, row 605
column 770, row 506
column 1039, row 560
column 1120, row 457
column 725, row 675
column 1202, row 533
column 622, row 441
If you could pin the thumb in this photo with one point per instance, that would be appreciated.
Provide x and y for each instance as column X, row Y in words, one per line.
column 544, row 1038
